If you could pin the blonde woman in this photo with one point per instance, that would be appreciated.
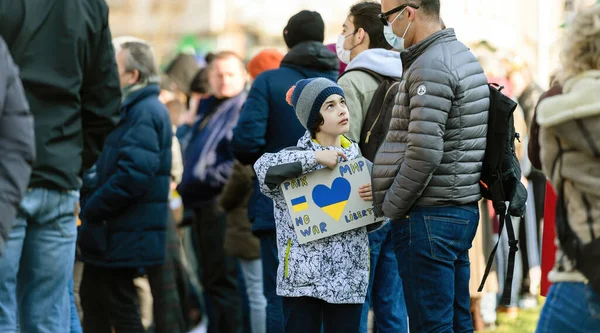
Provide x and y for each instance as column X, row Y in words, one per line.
column 570, row 156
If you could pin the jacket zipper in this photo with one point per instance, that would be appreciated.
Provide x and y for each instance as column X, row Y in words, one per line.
column 286, row 260
column 369, row 261
column 379, row 114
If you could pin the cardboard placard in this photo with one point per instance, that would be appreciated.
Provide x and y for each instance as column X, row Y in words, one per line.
column 326, row 202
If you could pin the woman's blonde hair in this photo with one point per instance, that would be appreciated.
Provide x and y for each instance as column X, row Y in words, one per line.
column 581, row 49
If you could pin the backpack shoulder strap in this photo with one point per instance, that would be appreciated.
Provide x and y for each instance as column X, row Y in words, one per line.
column 378, row 77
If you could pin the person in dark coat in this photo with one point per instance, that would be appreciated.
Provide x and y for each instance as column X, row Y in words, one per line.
column 208, row 162
column 268, row 124
column 17, row 144
column 242, row 244
column 124, row 220
column 67, row 66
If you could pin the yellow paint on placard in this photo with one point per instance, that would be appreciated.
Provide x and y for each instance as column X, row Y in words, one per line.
column 335, row 210
column 300, row 207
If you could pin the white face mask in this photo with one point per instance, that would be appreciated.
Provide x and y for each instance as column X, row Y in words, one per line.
column 343, row 54
column 395, row 41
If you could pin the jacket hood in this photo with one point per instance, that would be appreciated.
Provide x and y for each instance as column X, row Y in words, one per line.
column 580, row 99
column 313, row 55
column 382, row 61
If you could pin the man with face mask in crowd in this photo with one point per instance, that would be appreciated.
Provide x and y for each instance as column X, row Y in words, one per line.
column 426, row 173
column 363, row 48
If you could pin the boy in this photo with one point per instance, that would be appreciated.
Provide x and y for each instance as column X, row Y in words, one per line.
column 323, row 282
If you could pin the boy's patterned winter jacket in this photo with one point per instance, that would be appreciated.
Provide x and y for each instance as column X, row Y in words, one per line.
column 334, row 269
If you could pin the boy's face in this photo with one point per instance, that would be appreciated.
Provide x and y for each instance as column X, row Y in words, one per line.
column 336, row 118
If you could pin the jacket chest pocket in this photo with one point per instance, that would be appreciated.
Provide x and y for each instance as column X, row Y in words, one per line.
column 301, row 264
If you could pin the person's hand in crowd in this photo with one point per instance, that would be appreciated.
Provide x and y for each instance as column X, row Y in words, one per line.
column 366, row 192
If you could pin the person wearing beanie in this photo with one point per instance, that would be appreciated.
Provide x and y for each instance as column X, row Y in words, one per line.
column 304, row 26
column 265, row 60
column 324, row 282
column 268, row 124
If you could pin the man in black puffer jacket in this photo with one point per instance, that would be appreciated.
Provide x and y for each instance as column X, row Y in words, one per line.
column 426, row 173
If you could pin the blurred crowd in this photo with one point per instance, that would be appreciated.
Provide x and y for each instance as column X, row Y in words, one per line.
column 134, row 199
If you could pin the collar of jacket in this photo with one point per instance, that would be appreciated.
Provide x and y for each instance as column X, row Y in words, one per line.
column 313, row 55
column 412, row 53
column 349, row 147
column 141, row 93
column 344, row 141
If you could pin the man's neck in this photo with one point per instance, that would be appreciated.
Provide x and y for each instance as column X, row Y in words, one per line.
column 358, row 50
column 425, row 30
column 128, row 90
column 327, row 140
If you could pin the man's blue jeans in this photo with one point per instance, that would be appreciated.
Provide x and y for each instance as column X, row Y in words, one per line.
column 385, row 292
column 570, row 307
column 75, row 321
column 38, row 263
column 432, row 246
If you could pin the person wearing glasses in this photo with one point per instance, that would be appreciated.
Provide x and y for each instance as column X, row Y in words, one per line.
column 426, row 172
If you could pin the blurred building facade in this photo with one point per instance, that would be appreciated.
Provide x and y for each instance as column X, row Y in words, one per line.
column 525, row 29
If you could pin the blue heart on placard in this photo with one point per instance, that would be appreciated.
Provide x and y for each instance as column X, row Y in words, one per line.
column 333, row 200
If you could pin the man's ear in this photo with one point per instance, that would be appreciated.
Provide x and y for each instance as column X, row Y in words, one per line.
column 362, row 37
column 411, row 13
column 361, row 34
column 135, row 76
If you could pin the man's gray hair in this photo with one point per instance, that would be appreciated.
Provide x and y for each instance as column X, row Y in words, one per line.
column 139, row 56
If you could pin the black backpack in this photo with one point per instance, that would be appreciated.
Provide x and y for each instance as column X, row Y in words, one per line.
column 379, row 114
column 501, row 177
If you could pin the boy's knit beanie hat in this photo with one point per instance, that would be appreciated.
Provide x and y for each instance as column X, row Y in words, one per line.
column 307, row 97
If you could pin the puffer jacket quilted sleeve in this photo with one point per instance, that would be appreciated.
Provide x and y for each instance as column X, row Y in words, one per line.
column 433, row 152
column 139, row 158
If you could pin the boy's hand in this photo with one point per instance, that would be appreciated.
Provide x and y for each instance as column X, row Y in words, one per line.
column 366, row 192
column 329, row 158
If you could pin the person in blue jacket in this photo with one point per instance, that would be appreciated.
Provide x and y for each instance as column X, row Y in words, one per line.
column 268, row 124
column 207, row 165
column 124, row 219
